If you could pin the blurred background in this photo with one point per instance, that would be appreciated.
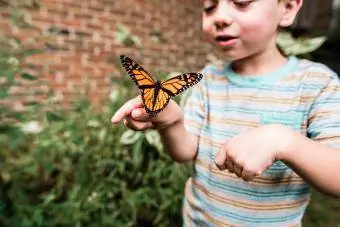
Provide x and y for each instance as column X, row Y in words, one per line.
column 62, row 163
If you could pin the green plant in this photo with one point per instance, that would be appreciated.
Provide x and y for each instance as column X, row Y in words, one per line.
column 13, row 69
column 73, row 168
column 75, row 173
column 301, row 45
column 124, row 36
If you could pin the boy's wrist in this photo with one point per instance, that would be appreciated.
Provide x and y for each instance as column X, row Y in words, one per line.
column 168, row 127
column 290, row 146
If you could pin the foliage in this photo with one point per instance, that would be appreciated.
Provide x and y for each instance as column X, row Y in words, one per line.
column 12, row 56
column 20, row 3
column 322, row 211
column 298, row 45
column 124, row 36
column 73, row 168
column 74, row 173
column 15, row 7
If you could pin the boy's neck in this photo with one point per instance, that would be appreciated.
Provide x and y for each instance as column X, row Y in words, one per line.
column 260, row 63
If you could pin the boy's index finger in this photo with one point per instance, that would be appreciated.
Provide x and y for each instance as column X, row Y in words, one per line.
column 126, row 109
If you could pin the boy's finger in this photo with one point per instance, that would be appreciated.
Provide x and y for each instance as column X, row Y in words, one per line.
column 140, row 114
column 247, row 175
column 126, row 109
column 220, row 159
column 237, row 170
column 137, row 125
column 230, row 166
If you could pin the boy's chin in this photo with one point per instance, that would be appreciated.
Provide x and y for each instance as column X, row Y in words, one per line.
column 233, row 55
column 229, row 56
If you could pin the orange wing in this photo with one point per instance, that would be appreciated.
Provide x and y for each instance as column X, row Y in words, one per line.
column 137, row 73
column 154, row 102
column 178, row 84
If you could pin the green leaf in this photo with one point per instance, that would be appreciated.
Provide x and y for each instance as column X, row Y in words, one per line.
column 28, row 76
column 51, row 116
column 18, row 116
column 4, row 92
column 137, row 154
column 300, row 45
column 9, row 129
column 10, row 77
column 153, row 138
column 30, row 52
column 130, row 137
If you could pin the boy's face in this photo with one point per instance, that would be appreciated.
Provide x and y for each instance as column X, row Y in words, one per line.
column 241, row 28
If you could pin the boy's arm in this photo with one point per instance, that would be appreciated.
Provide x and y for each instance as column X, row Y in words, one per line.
column 181, row 139
column 316, row 163
column 317, row 158
column 178, row 143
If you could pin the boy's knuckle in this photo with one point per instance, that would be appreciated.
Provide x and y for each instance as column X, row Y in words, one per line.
column 239, row 161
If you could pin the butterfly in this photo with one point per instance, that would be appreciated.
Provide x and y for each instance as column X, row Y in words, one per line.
column 156, row 94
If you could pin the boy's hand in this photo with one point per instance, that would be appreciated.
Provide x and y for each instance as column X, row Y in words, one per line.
column 249, row 154
column 136, row 118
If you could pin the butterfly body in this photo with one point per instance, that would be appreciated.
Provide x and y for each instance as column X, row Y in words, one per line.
column 156, row 94
column 156, row 88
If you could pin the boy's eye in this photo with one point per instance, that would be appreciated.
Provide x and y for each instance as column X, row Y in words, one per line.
column 209, row 6
column 209, row 9
column 242, row 4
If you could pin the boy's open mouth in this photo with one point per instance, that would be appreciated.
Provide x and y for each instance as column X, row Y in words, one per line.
column 225, row 40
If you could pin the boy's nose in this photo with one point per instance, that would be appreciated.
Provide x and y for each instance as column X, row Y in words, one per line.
column 220, row 24
column 222, row 17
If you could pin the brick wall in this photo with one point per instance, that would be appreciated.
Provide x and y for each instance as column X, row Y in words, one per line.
column 80, row 45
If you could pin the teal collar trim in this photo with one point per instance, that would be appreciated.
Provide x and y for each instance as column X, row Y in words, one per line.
column 256, row 80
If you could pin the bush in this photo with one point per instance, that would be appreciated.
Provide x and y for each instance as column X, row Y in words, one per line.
column 76, row 173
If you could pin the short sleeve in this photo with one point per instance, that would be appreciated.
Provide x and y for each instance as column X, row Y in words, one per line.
column 324, row 118
column 194, row 108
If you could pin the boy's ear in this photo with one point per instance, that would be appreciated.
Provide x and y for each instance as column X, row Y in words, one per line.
column 290, row 9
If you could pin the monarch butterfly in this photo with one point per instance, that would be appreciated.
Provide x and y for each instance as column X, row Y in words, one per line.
column 156, row 94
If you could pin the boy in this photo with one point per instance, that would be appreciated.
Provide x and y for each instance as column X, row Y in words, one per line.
column 260, row 129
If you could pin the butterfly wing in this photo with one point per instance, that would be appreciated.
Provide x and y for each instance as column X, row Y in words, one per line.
column 155, row 100
column 178, row 84
column 137, row 73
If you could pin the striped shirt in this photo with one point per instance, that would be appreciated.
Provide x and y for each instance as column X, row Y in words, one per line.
column 303, row 95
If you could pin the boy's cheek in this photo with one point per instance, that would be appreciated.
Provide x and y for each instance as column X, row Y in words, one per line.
column 208, row 35
column 205, row 27
column 253, row 35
